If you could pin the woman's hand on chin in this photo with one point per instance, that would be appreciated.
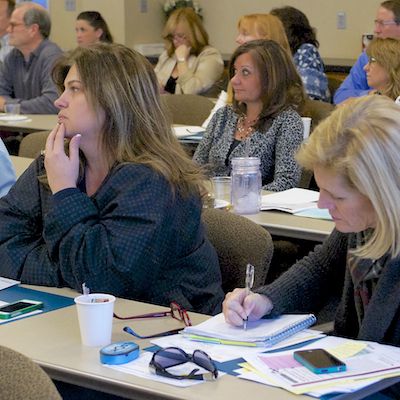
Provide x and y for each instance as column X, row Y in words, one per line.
column 62, row 170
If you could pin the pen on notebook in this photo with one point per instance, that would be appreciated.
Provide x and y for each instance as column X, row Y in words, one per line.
column 248, row 285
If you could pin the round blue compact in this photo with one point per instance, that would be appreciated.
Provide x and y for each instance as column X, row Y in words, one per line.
column 119, row 353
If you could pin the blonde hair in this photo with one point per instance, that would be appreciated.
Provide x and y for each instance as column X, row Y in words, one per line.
column 360, row 141
column 264, row 26
column 387, row 54
column 192, row 26
column 122, row 83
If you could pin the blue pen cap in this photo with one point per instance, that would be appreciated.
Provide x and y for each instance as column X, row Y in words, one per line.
column 119, row 353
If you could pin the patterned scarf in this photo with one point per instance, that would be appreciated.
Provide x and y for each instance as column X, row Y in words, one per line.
column 364, row 274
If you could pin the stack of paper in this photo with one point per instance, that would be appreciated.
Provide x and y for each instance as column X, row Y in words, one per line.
column 297, row 201
column 366, row 363
column 292, row 200
column 187, row 130
column 264, row 332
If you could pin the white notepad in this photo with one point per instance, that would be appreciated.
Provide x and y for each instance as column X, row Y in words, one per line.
column 291, row 200
column 264, row 332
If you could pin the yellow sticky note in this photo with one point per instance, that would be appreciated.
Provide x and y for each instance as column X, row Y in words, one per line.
column 347, row 349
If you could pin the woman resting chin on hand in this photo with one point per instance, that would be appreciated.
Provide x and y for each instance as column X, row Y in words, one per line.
column 121, row 209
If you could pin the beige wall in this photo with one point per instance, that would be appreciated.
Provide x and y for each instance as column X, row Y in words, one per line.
column 131, row 27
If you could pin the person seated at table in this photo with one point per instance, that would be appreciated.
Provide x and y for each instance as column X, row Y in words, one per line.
column 25, row 76
column 304, row 47
column 355, row 156
column 188, row 65
column 262, row 121
column 383, row 67
column 253, row 27
column 387, row 25
column 120, row 209
column 90, row 28
column 7, row 176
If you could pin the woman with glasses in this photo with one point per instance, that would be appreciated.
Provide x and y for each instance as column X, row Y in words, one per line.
column 383, row 67
column 262, row 121
column 119, row 207
column 355, row 156
column 90, row 28
column 188, row 65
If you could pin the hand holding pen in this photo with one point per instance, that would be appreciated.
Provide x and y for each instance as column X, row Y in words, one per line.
column 248, row 285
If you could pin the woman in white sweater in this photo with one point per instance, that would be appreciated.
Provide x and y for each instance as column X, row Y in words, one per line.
column 188, row 65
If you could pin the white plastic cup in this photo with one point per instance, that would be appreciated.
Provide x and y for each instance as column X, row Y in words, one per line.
column 95, row 315
column 221, row 189
column 12, row 108
column 306, row 127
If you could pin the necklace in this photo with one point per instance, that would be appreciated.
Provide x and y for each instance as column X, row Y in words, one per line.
column 244, row 127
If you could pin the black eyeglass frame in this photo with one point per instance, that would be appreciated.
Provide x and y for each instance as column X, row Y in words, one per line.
column 211, row 375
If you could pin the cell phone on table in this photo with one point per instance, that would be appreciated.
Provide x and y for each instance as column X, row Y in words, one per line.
column 19, row 307
column 319, row 361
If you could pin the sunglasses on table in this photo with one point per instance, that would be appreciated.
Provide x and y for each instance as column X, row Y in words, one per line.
column 176, row 311
column 173, row 356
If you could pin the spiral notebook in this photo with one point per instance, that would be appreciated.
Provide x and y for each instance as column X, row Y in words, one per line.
column 265, row 332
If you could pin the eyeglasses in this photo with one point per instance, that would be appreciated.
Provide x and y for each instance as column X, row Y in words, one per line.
column 372, row 60
column 385, row 22
column 177, row 36
column 173, row 356
column 176, row 311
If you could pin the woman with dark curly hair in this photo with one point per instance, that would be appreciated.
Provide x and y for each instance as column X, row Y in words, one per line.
column 304, row 46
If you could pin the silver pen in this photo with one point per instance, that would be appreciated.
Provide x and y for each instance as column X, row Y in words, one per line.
column 248, row 285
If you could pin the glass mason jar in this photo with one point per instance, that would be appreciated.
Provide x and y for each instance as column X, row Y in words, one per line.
column 246, row 185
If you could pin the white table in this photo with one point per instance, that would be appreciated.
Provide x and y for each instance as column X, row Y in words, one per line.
column 34, row 123
column 52, row 340
column 291, row 226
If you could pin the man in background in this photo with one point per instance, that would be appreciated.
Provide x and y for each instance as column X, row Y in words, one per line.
column 6, row 9
column 25, row 76
column 387, row 25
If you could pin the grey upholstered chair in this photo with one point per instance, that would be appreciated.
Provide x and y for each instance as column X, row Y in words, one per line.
column 238, row 241
column 32, row 144
column 22, row 379
column 187, row 109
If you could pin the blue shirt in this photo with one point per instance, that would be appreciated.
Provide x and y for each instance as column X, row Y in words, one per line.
column 7, row 176
column 356, row 83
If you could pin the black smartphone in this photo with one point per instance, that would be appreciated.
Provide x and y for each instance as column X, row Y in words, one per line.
column 319, row 361
column 19, row 307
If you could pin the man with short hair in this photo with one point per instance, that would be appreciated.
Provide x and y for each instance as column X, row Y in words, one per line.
column 387, row 25
column 6, row 9
column 25, row 76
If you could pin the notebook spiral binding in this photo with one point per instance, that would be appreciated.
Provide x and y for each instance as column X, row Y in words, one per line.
column 289, row 331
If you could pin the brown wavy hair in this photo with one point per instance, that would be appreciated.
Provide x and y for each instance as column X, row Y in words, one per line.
column 281, row 84
column 122, row 83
